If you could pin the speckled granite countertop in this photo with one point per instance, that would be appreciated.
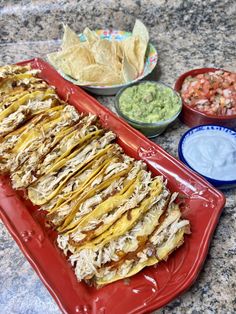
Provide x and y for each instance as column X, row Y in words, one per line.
column 187, row 34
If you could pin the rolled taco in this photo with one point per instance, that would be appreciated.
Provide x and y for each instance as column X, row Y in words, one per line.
column 13, row 69
column 8, row 142
column 82, row 178
column 46, row 129
column 91, row 259
column 31, row 153
column 94, row 230
column 87, row 130
column 158, row 247
column 26, row 107
column 151, row 240
column 49, row 185
column 14, row 81
column 106, row 183
column 18, row 91
column 114, row 188
column 85, row 195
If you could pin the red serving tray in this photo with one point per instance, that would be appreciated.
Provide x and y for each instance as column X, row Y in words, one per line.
column 153, row 287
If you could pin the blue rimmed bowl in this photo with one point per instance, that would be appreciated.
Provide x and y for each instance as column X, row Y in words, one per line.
column 210, row 150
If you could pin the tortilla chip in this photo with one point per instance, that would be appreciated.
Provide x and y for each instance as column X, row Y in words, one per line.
column 119, row 50
column 140, row 51
column 134, row 51
column 69, row 38
column 72, row 60
column 140, row 30
column 102, row 50
column 102, row 62
column 129, row 72
column 91, row 36
column 99, row 74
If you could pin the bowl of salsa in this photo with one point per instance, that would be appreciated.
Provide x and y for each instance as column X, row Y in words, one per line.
column 208, row 96
column 148, row 106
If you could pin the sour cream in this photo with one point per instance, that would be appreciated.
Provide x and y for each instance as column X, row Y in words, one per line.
column 211, row 151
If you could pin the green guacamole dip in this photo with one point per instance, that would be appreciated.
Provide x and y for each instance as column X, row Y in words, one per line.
column 149, row 102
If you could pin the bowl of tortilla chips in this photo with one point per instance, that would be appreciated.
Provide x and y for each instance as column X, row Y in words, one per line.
column 104, row 61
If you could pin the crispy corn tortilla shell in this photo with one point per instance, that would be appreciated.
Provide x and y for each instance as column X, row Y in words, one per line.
column 10, row 140
column 42, row 136
column 73, row 136
column 116, row 252
column 33, row 193
column 105, row 208
column 6, row 83
column 124, row 223
column 96, row 166
column 12, row 98
column 31, row 165
column 68, row 198
column 148, row 229
column 109, row 204
column 45, row 123
column 44, row 199
column 9, row 70
column 79, row 143
column 58, row 164
column 69, row 224
column 8, row 96
column 27, row 126
column 82, row 194
column 20, row 148
column 36, row 95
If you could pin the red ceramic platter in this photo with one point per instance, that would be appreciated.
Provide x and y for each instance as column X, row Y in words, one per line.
column 153, row 287
column 193, row 117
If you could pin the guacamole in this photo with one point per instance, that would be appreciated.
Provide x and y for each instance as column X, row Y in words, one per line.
column 149, row 102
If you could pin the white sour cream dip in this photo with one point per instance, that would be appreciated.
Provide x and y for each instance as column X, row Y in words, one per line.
column 212, row 153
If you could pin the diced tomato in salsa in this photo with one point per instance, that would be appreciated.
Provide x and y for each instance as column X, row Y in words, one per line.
column 211, row 93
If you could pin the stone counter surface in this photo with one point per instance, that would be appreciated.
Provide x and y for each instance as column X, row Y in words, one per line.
column 187, row 35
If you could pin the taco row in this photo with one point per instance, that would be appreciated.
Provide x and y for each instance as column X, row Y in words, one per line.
column 112, row 216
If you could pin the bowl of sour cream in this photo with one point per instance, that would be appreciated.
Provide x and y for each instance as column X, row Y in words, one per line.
column 210, row 150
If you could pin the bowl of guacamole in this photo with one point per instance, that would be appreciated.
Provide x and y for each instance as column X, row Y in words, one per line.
column 148, row 106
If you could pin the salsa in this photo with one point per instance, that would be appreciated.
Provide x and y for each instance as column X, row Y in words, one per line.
column 212, row 93
column 149, row 102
